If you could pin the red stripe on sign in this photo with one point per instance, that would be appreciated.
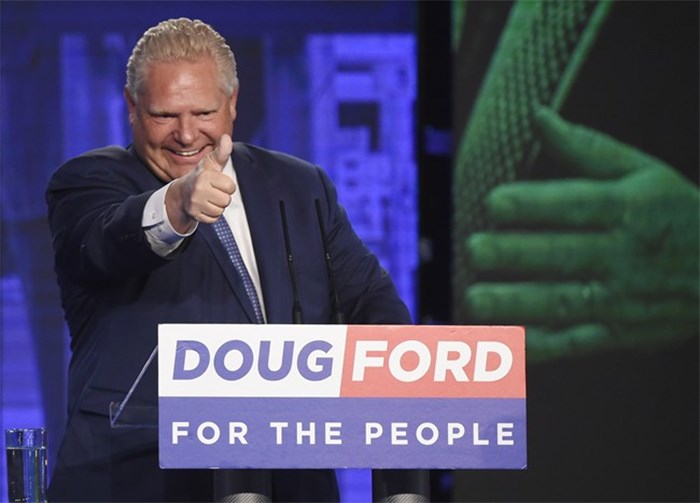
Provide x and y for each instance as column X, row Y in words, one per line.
column 434, row 361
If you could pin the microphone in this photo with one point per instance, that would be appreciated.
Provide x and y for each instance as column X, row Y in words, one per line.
column 297, row 316
column 338, row 317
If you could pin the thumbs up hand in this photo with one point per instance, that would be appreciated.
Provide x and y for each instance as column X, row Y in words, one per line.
column 203, row 194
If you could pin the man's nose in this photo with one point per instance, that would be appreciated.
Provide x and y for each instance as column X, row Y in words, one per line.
column 185, row 132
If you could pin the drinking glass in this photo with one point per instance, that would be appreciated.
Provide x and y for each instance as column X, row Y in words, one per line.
column 26, row 464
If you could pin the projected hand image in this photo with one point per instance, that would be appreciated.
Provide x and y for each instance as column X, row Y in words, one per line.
column 603, row 259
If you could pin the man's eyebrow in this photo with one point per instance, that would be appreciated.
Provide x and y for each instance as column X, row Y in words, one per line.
column 212, row 108
column 160, row 112
column 165, row 113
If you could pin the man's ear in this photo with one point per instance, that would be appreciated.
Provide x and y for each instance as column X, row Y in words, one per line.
column 131, row 106
column 232, row 101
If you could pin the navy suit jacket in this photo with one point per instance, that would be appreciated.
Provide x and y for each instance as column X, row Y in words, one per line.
column 115, row 290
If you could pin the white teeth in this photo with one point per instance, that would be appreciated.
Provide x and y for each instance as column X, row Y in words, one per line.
column 190, row 153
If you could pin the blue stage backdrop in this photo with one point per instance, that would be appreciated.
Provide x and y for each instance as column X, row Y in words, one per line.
column 332, row 82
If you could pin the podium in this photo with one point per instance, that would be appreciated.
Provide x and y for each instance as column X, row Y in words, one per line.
column 336, row 396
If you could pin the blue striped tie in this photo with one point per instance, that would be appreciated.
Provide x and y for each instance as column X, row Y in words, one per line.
column 226, row 236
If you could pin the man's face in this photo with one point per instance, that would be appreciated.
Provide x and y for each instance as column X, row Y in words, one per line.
column 181, row 113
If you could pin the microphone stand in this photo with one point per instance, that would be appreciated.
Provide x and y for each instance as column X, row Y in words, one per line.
column 243, row 486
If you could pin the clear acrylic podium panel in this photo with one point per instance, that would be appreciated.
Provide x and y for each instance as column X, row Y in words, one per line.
column 127, row 413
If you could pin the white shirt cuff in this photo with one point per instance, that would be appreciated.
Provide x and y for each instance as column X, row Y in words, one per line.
column 161, row 235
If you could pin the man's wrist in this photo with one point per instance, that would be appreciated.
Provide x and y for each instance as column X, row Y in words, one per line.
column 160, row 233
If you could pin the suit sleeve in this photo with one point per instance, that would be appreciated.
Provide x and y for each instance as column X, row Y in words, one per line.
column 95, row 212
column 366, row 291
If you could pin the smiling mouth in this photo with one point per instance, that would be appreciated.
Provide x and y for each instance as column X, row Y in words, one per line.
column 187, row 153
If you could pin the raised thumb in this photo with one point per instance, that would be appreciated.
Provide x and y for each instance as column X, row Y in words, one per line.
column 218, row 157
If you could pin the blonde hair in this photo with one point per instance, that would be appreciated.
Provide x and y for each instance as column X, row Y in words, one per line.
column 180, row 39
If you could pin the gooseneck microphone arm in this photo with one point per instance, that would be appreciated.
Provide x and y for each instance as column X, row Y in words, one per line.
column 297, row 316
column 338, row 317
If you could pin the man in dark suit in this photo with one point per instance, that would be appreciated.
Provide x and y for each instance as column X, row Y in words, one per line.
column 136, row 244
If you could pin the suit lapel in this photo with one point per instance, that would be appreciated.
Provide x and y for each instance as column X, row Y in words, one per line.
column 257, row 184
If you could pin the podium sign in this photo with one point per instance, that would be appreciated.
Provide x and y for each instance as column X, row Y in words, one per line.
column 341, row 396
